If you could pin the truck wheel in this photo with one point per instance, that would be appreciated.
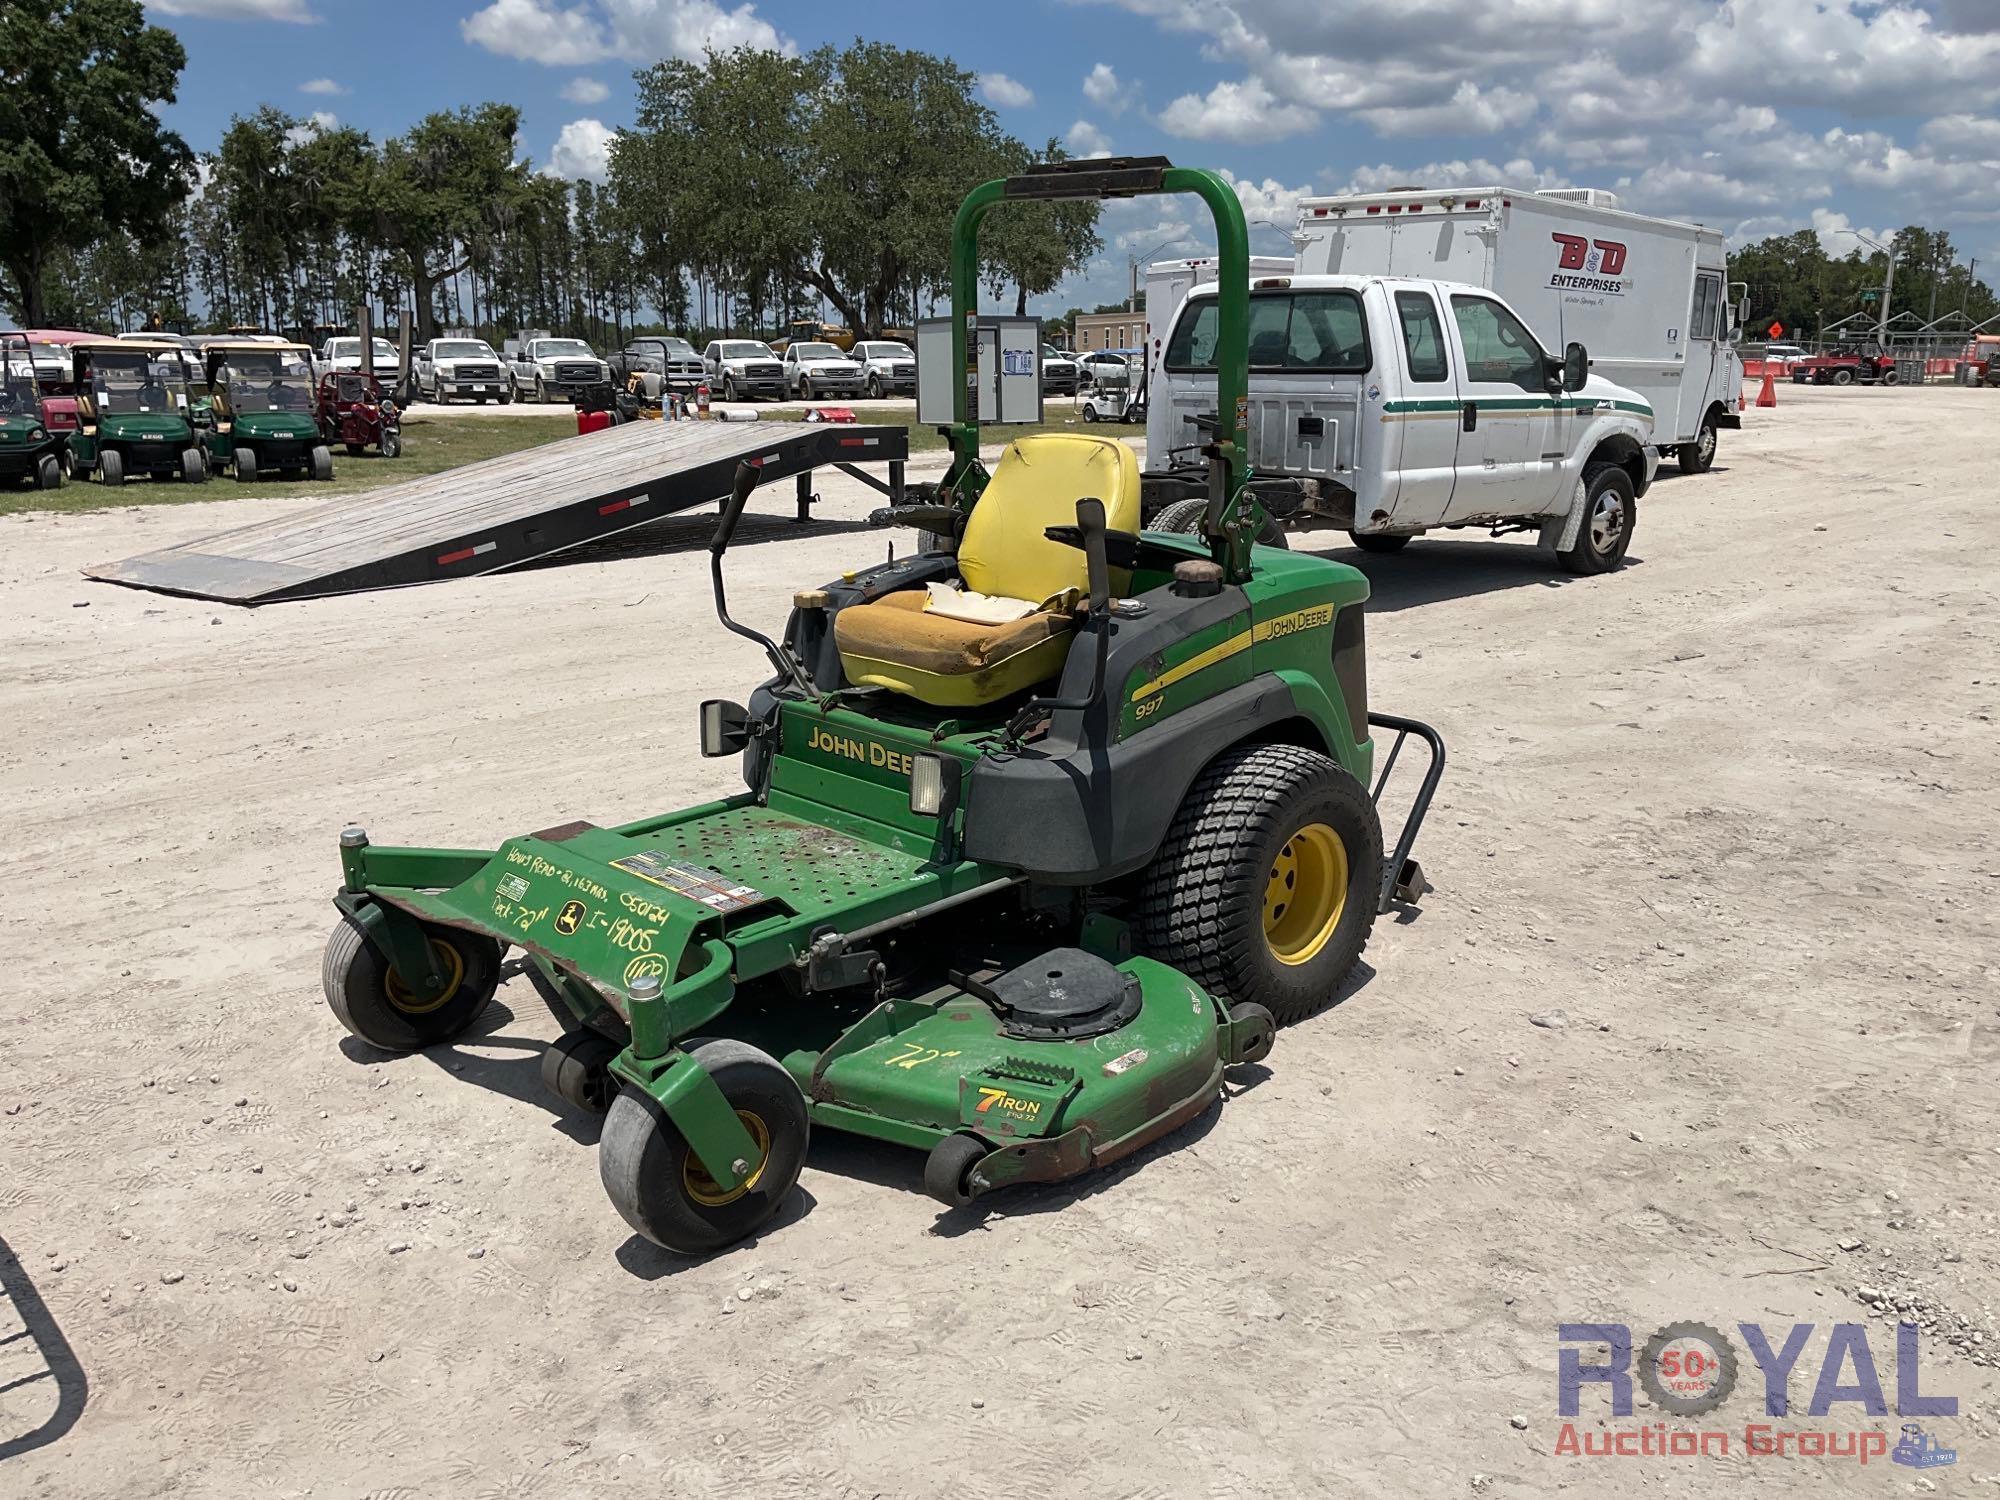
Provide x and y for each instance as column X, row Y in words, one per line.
column 49, row 473
column 541, row 391
column 1610, row 512
column 1698, row 456
column 728, row 389
column 374, row 1004
column 322, row 462
column 246, row 466
column 1375, row 541
column 1843, row 377
column 111, row 467
column 659, row 1186
column 1183, row 517
column 1265, row 887
column 874, row 389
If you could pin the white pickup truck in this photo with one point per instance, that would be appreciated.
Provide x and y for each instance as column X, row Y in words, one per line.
column 449, row 368
column 1388, row 407
column 552, row 369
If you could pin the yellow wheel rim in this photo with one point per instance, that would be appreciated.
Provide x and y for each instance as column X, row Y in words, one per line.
column 1305, row 895
column 703, row 1188
column 412, row 1004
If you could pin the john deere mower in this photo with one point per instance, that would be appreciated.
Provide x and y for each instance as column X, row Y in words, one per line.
column 1044, row 827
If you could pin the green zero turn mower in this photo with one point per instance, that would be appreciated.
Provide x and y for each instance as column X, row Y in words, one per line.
column 1045, row 827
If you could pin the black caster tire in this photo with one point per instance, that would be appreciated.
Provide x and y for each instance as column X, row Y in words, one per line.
column 1265, row 887
column 373, row 1003
column 1266, row 1036
column 111, row 468
column 658, row 1185
column 1376, row 542
column 322, row 463
column 246, row 466
column 49, row 473
column 948, row 1168
column 575, row 1069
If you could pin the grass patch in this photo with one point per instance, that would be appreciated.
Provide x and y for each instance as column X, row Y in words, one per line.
column 430, row 446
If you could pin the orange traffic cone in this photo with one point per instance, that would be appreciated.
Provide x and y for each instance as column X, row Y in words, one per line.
column 1769, row 395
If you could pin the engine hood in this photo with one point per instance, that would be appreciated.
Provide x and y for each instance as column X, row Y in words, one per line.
column 124, row 426
column 276, row 425
column 1619, row 397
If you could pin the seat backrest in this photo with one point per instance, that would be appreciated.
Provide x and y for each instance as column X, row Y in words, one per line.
column 1036, row 485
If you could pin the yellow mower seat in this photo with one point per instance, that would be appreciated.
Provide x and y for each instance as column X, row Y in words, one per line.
column 904, row 642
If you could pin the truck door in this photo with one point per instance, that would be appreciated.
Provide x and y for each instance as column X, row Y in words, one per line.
column 1429, row 419
column 1704, row 354
column 1508, row 452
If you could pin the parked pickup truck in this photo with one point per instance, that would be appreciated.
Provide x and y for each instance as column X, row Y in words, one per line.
column 554, row 369
column 1389, row 407
column 344, row 353
column 889, row 368
column 448, row 369
column 743, row 368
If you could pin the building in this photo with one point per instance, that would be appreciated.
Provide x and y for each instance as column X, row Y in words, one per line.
column 1119, row 330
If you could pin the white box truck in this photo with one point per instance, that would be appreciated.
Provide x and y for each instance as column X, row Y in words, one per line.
column 1648, row 297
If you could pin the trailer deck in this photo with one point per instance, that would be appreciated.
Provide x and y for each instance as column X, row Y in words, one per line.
column 505, row 511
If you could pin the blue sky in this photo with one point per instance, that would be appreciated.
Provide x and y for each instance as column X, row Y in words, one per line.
column 1761, row 116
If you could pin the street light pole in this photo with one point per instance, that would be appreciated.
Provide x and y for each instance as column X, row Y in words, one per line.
column 1888, row 283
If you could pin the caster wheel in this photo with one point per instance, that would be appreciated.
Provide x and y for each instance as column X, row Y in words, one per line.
column 1254, row 1045
column 374, row 1004
column 659, row 1186
column 948, row 1169
column 574, row 1069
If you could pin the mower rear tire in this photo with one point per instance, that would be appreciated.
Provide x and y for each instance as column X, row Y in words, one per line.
column 576, row 1070
column 658, row 1184
column 1375, row 541
column 1264, row 890
column 374, row 1004
column 948, row 1169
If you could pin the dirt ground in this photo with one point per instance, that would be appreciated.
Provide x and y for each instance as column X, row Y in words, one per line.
column 1731, row 811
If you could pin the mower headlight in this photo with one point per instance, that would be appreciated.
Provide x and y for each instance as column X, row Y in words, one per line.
column 725, row 727
column 926, row 784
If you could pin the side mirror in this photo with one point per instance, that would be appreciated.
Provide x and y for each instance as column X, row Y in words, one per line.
column 1576, row 367
column 725, row 727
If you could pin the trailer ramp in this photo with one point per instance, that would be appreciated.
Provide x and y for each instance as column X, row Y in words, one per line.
column 502, row 512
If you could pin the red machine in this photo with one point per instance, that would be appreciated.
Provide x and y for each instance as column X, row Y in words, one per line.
column 1845, row 367
column 353, row 409
column 55, row 373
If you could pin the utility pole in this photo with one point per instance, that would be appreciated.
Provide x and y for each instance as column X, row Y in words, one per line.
column 1888, row 282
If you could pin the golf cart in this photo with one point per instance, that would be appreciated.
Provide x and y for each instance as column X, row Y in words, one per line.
column 1117, row 393
column 262, row 416
column 28, row 448
column 1044, row 829
column 132, row 412
column 355, row 411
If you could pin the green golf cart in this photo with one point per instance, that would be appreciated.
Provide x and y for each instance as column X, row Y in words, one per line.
column 29, row 448
column 1043, row 829
column 133, row 413
column 262, row 413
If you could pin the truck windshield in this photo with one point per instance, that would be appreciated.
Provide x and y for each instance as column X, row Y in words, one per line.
column 680, row 348
column 1296, row 332
column 563, row 349
column 385, row 352
column 747, row 351
column 464, row 349
column 269, row 382
column 889, row 351
column 137, row 382
column 816, row 351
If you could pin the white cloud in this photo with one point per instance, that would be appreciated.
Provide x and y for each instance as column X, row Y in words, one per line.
column 1478, row 171
column 585, row 91
column 583, row 149
column 240, row 10
column 1270, row 199
column 322, row 86
column 1103, row 88
column 1085, row 139
column 1004, row 92
column 1469, row 111
column 316, row 123
column 1856, row 55
column 1964, row 137
column 635, row 30
column 1244, row 113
